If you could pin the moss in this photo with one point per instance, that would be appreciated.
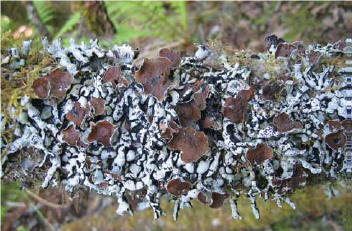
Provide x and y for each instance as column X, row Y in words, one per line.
column 16, row 84
column 8, row 41
column 10, row 192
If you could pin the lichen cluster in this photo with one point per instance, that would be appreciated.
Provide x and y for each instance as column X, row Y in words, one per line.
column 198, row 127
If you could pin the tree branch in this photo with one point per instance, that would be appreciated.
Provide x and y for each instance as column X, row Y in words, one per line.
column 219, row 125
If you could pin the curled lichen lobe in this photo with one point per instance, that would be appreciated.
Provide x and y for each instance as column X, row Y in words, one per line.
column 114, row 76
column 60, row 81
column 193, row 145
column 336, row 140
column 236, row 108
column 259, row 154
column 285, row 124
column 177, row 187
column 154, row 75
column 102, row 132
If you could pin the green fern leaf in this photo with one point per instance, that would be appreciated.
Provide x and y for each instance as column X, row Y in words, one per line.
column 45, row 10
column 135, row 19
column 69, row 25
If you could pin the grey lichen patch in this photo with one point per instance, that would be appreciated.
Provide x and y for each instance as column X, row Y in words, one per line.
column 205, row 127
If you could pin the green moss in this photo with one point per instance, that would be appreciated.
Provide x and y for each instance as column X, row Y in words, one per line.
column 16, row 84
column 10, row 192
column 8, row 41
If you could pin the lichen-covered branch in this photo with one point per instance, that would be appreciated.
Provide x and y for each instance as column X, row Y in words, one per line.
column 219, row 126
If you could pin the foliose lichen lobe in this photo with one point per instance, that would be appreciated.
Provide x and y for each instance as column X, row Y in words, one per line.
column 182, row 128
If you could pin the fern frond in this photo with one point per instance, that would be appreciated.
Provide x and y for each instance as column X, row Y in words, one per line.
column 69, row 25
column 46, row 11
column 181, row 8
column 144, row 19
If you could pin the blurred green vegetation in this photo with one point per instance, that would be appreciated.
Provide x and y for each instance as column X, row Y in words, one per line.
column 10, row 192
column 131, row 19
column 314, row 212
column 148, row 19
column 188, row 22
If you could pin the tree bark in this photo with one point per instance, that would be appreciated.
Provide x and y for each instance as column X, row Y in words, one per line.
column 34, row 18
column 96, row 20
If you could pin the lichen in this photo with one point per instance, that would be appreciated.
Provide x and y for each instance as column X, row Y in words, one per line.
column 199, row 127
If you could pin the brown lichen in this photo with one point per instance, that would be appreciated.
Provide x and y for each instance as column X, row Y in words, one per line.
column 174, row 57
column 71, row 135
column 218, row 199
column 347, row 125
column 99, row 105
column 298, row 180
column 113, row 75
column 78, row 113
column 236, row 108
column 203, row 198
column 271, row 91
column 167, row 131
column 334, row 125
column 188, row 113
column 283, row 123
column 154, row 75
column 41, row 88
column 261, row 153
column 177, row 187
column 335, row 140
column 200, row 98
column 102, row 132
column 192, row 144
column 313, row 57
column 341, row 44
column 60, row 82
column 284, row 50
column 209, row 122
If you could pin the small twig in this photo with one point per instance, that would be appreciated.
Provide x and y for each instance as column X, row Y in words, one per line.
column 334, row 225
column 201, row 33
column 45, row 202
column 277, row 7
column 15, row 204
column 41, row 216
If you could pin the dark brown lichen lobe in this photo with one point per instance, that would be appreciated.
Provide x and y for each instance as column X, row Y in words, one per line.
column 192, row 144
column 283, row 123
column 188, row 113
column 114, row 75
column 78, row 113
column 336, row 140
column 174, row 56
column 261, row 153
column 60, row 82
column 284, row 50
column 71, row 135
column 217, row 199
column 102, row 132
column 168, row 131
column 99, row 105
column 41, row 88
column 236, row 108
column 154, row 75
column 177, row 187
